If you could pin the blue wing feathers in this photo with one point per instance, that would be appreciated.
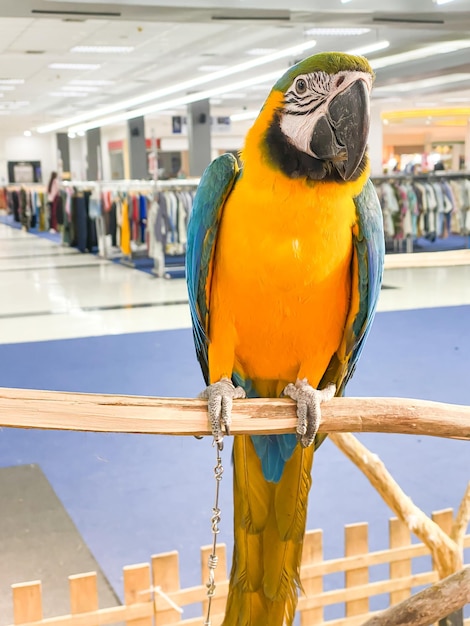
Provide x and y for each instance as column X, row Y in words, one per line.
column 370, row 250
column 214, row 188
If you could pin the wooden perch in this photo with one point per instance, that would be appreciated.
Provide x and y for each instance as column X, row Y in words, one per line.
column 447, row 554
column 27, row 408
column 430, row 605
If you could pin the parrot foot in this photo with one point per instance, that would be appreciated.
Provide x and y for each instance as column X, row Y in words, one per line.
column 308, row 408
column 220, row 398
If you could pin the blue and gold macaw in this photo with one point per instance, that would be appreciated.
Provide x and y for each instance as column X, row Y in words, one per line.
column 284, row 268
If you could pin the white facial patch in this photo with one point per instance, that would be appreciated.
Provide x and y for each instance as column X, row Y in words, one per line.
column 305, row 102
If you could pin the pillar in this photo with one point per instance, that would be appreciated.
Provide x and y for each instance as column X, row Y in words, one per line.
column 93, row 145
column 199, row 136
column 64, row 149
column 136, row 148
column 376, row 140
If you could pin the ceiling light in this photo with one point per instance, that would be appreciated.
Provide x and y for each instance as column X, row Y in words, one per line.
column 6, row 88
column 183, row 86
column 442, row 1
column 86, row 88
column 11, row 81
column 71, row 135
column 385, row 121
column 233, row 95
column 27, row 133
column 14, row 104
column 80, row 133
column 99, row 83
column 163, row 106
column 68, row 94
column 345, row 1
column 458, row 99
column 259, row 52
column 337, row 32
column 421, row 53
column 246, row 115
column 103, row 49
column 369, row 49
column 211, row 68
column 74, row 66
column 425, row 83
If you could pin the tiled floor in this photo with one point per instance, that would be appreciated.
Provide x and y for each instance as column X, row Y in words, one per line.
column 51, row 292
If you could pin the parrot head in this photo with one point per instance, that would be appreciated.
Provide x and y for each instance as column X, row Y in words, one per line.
column 317, row 118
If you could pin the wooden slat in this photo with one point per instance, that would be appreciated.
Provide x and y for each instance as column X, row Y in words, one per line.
column 165, row 575
column 345, row 564
column 25, row 408
column 444, row 519
column 356, row 542
column 399, row 538
column 312, row 553
column 363, row 592
column 27, row 602
column 98, row 618
column 137, row 589
column 219, row 599
column 83, row 593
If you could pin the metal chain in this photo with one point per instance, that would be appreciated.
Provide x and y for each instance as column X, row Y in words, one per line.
column 215, row 519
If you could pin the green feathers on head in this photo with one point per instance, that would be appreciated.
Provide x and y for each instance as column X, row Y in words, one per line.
column 329, row 62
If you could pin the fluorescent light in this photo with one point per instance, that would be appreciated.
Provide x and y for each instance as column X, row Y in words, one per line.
column 71, row 135
column 345, row 1
column 27, row 133
column 443, row 1
column 259, row 52
column 68, row 94
column 183, row 86
column 458, row 99
column 246, row 115
column 168, row 104
column 14, row 104
column 233, row 95
column 421, row 53
column 11, row 81
column 86, row 88
column 7, row 88
column 424, row 83
column 337, row 32
column 98, row 83
column 103, row 49
column 74, row 66
column 370, row 48
column 211, row 68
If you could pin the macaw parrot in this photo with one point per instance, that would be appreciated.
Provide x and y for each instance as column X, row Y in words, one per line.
column 284, row 268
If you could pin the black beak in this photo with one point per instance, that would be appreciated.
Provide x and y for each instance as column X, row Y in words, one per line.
column 340, row 136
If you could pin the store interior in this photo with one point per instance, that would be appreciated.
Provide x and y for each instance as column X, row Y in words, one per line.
column 111, row 97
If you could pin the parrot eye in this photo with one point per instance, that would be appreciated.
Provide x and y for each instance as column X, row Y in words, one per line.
column 300, row 86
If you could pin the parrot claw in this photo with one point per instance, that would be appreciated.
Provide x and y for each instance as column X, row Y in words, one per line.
column 220, row 398
column 308, row 408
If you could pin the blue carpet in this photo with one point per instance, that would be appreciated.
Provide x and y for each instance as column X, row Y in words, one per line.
column 133, row 495
column 9, row 221
column 453, row 242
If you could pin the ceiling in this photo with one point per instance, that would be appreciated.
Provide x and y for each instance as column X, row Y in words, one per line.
column 171, row 41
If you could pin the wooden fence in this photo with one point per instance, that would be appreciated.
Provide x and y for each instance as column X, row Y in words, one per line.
column 152, row 593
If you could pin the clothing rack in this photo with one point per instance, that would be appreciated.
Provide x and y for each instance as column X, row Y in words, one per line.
column 429, row 205
column 149, row 220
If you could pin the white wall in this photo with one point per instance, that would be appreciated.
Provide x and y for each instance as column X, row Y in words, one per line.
column 36, row 148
